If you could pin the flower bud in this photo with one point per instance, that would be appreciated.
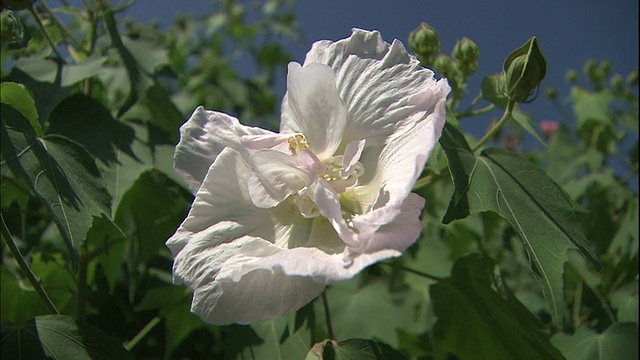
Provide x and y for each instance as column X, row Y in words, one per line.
column 424, row 42
column 524, row 69
column 10, row 27
column 551, row 92
column 571, row 76
column 549, row 127
column 632, row 78
column 466, row 52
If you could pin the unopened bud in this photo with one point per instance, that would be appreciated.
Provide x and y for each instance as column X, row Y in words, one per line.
column 632, row 78
column 10, row 27
column 617, row 83
column 466, row 52
column 424, row 42
column 524, row 69
column 551, row 92
column 571, row 76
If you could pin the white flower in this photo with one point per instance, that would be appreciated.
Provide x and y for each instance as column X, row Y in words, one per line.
column 278, row 216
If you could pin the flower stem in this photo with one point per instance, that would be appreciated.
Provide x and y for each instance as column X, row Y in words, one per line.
column 503, row 120
column 44, row 32
column 145, row 330
column 81, row 307
column 420, row 273
column 6, row 235
column 327, row 316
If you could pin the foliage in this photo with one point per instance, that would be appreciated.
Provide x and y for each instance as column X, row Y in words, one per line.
column 525, row 252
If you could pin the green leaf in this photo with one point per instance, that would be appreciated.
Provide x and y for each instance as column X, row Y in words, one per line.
column 50, row 71
column 625, row 301
column 373, row 311
column 17, row 96
column 20, row 302
column 540, row 212
column 150, row 211
column 620, row 341
column 475, row 304
column 493, row 90
column 591, row 106
column 86, row 121
column 148, row 55
column 525, row 121
column 58, row 337
column 289, row 337
column 60, row 172
column 353, row 349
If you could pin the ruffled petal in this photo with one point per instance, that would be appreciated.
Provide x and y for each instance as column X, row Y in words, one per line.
column 204, row 136
column 313, row 107
column 397, row 164
column 226, row 291
column 381, row 84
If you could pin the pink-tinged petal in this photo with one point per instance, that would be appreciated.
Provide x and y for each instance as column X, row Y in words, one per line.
column 275, row 177
column 202, row 138
column 381, row 84
column 352, row 153
column 313, row 107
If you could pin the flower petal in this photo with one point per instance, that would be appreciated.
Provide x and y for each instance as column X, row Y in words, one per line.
column 398, row 164
column 203, row 137
column 313, row 107
column 275, row 176
column 222, row 295
column 382, row 86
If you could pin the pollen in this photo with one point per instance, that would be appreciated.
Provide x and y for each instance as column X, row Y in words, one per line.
column 297, row 143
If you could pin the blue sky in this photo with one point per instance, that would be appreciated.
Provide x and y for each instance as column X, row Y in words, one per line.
column 569, row 31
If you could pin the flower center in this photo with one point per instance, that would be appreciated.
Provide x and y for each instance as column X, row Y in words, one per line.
column 340, row 172
column 297, row 143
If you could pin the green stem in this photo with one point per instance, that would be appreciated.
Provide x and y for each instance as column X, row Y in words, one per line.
column 44, row 32
column 577, row 303
column 145, row 330
column 419, row 273
column 505, row 117
column 327, row 316
column 6, row 235
column 81, row 307
column 67, row 33
column 470, row 113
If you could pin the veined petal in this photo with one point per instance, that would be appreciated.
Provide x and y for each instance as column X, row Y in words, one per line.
column 275, row 176
column 222, row 209
column 381, row 84
column 400, row 161
column 313, row 107
column 202, row 138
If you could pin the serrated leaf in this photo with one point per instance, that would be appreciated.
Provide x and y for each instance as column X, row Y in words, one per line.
column 540, row 212
column 474, row 304
column 85, row 120
column 58, row 337
column 60, row 172
column 591, row 106
column 16, row 96
column 620, row 341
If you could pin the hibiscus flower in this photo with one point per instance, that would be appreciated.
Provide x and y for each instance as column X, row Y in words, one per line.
column 278, row 216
